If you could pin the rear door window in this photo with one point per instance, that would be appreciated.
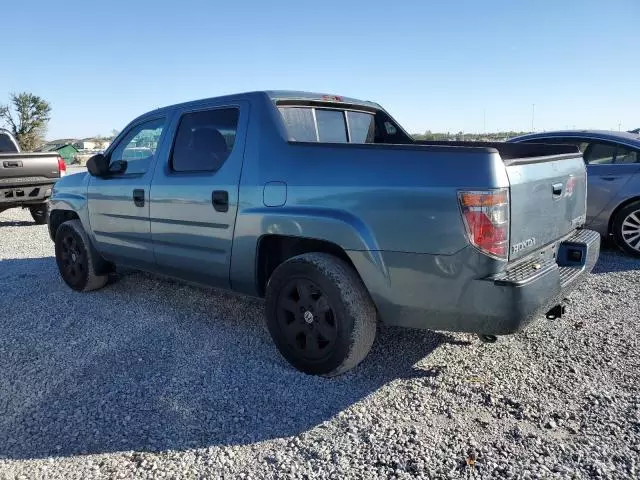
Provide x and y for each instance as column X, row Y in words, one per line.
column 204, row 140
column 581, row 144
column 600, row 154
column 626, row 155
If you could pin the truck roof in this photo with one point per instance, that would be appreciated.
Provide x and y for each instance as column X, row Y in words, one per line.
column 274, row 95
column 326, row 97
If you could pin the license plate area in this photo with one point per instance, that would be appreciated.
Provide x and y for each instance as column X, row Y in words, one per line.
column 10, row 194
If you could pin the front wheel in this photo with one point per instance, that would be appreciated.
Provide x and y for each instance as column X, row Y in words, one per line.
column 320, row 314
column 76, row 258
column 39, row 213
column 626, row 229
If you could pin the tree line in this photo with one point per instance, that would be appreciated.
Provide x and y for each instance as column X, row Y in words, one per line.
column 468, row 137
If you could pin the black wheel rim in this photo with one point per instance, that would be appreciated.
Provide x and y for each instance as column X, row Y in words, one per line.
column 307, row 319
column 73, row 259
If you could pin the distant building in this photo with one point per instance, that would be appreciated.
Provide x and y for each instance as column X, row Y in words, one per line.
column 91, row 144
column 64, row 147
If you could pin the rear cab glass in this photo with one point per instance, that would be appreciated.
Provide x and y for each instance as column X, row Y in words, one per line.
column 333, row 123
column 6, row 144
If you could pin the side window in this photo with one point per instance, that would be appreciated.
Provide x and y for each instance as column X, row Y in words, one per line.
column 204, row 140
column 581, row 144
column 600, row 154
column 138, row 147
column 626, row 155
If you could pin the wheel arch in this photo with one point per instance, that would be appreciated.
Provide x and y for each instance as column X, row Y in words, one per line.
column 57, row 217
column 617, row 209
column 287, row 232
column 274, row 249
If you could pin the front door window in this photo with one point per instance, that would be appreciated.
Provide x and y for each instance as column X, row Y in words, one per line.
column 139, row 146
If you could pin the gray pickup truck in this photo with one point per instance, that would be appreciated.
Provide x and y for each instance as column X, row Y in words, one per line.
column 328, row 209
column 26, row 179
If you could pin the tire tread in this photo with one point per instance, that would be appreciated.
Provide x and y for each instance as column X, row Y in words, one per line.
column 355, row 298
column 94, row 281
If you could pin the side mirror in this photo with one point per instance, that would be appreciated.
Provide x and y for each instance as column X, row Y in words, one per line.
column 98, row 165
column 119, row 166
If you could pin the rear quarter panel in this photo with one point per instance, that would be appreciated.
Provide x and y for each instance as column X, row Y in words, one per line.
column 629, row 193
column 364, row 198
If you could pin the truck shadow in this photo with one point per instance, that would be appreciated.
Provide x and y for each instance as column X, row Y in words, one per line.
column 15, row 223
column 153, row 365
column 613, row 260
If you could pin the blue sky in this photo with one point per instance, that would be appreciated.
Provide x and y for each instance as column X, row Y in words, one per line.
column 443, row 66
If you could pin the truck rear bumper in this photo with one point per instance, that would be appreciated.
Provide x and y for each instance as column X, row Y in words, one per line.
column 418, row 296
column 18, row 196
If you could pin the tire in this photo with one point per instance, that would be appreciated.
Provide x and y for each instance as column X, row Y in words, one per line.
column 76, row 258
column 39, row 213
column 319, row 314
column 626, row 229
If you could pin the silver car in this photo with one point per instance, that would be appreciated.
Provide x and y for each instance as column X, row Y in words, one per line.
column 613, row 166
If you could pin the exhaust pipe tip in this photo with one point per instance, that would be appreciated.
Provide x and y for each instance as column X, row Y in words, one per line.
column 485, row 338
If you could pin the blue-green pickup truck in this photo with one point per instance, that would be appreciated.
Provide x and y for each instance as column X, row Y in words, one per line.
column 328, row 209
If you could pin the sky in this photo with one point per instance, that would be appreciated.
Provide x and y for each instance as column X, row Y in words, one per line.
column 465, row 65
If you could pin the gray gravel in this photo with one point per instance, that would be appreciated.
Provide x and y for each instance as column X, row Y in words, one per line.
column 149, row 378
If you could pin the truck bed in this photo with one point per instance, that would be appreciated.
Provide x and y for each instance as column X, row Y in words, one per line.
column 521, row 154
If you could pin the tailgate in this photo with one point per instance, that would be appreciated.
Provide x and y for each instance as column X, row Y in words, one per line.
column 548, row 200
column 18, row 168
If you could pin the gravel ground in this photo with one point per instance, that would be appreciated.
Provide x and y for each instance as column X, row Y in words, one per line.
column 149, row 378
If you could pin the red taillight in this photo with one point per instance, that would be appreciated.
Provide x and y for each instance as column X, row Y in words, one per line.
column 486, row 219
column 62, row 167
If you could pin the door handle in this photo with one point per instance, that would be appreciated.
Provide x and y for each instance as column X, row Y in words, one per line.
column 609, row 179
column 138, row 197
column 556, row 188
column 220, row 200
column 16, row 164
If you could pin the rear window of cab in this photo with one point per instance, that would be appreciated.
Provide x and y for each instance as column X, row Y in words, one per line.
column 328, row 125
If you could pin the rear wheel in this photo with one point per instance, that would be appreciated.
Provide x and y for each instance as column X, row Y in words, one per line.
column 76, row 258
column 626, row 229
column 39, row 213
column 320, row 314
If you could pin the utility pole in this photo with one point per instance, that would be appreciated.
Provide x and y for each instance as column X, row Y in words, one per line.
column 533, row 114
column 619, row 125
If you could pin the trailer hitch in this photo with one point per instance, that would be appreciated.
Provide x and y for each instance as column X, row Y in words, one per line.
column 555, row 312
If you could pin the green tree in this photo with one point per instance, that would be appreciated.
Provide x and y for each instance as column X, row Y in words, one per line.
column 27, row 116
